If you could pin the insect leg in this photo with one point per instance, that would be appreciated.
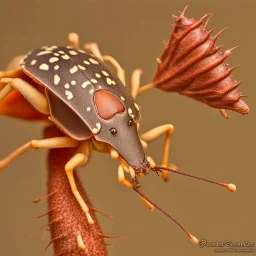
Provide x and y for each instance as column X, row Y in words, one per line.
column 94, row 49
column 73, row 40
column 135, row 82
column 57, row 142
column 125, row 182
column 155, row 133
column 12, row 73
column 37, row 99
column 77, row 160
column 119, row 70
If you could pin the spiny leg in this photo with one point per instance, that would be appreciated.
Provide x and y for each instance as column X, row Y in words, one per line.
column 94, row 49
column 80, row 158
column 37, row 99
column 57, row 142
column 156, row 133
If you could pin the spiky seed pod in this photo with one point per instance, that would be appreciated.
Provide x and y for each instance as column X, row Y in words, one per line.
column 192, row 65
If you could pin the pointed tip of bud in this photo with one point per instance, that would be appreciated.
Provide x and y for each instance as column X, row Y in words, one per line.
column 193, row 239
column 231, row 187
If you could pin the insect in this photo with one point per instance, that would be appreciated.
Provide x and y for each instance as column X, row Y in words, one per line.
column 77, row 92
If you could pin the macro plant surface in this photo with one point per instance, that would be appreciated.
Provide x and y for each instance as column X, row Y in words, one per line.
column 76, row 92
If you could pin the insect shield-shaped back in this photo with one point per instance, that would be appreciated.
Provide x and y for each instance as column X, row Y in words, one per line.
column 192, row 65
column 71, row 77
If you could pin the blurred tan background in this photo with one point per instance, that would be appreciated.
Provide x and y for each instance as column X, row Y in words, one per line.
column 204, row 143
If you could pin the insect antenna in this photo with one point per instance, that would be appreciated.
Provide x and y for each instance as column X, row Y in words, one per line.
column 231, row 187
column 191, row 237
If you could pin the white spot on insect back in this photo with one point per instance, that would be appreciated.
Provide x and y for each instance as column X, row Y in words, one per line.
column 129, row 111
column 105, row 73
column 98, row 125
column 69, row 95
column 81, row 67
column 43, row 53
column 95, row 131
column 73, row 70
column 88, row 109
column 56, row 67
column 94, row 81
column 93, row 61
column 81, row 51
column 65, row 57
column 98, row 75
column 73, row 52
column 56, row 79
column 109, row 80
column 49, row 49
column 61, row 52
column 44, row 67
column 122, row 98
column 91, row 91
column 136, row 106
column 33, row 62
column 56, row 54
column 67, row 86
column 73, row 82
column 84, row 84
column 53, row 59
column 86, row 62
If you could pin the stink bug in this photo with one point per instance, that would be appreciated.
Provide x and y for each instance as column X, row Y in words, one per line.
column 77, row 92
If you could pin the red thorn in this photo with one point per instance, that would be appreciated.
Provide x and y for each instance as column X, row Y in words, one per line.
column 108, row 236
column 210, row 31
column 232, row 69
column 53, row 240
column 229, row 51
column 219, row 47
column 45, row 213
column 158, row 61
column 204, row 18
column 236, row 47
column 206, row 23
column 231, row 88
column 164, row 42
column 184, row 10
column 218, row 34
column 175, row 17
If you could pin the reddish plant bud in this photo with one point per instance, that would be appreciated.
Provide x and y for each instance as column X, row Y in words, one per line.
column 192, row 65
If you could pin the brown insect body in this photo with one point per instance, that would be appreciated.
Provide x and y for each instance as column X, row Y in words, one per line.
column 192, row 65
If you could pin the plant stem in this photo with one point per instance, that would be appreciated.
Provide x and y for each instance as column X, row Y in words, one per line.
column 72, row 235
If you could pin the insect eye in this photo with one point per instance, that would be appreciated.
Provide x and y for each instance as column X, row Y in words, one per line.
column 113, row 131
column 130, row 122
